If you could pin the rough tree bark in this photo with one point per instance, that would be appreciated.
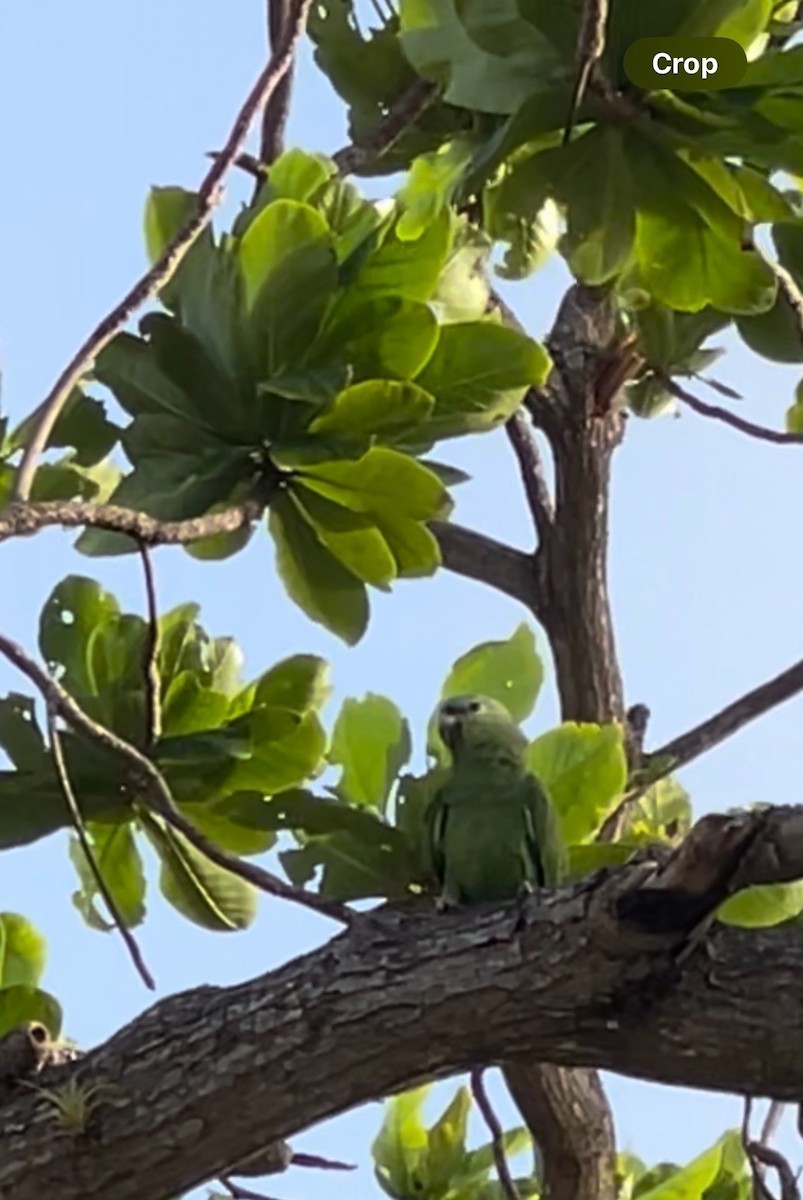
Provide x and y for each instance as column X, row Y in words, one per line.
column 567, row 1111
column 206, row 1077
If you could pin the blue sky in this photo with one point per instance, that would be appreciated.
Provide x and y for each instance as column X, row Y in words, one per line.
column 97, row 103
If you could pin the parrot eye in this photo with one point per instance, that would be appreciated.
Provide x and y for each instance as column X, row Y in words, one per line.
column 474, row 706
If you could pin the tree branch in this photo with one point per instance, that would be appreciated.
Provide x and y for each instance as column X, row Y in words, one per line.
column 590, row 48
column 150, row 663
column 413, row 995
column 405, row 112
column 277, row 107
column 727, row 417
column 157, row 276
column 567, row 1111
column 152, row 787
column 475, row 556
column 497, row 1133
column 63, row 777
column 23, row 519
column 522, row 439
column 729, row 720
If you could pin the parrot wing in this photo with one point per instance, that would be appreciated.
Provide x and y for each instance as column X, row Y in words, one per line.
column 544, row 841
column 436, row 826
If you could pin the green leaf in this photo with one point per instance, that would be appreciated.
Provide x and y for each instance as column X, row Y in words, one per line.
column 113, row 652
column 463, row 287
column 82, row 423
column 289, row 272
column 482, row 1160
column 166, row 211
column 211, row 399
column 763, row 906
column 20, row 1004
column 382, row 337
column 509, row 671
column 280, row 757
column 600, row 220
column 583, row 768
column 220, row 546
column 478, row 375
column 359, row 855
column 130, row 369
column 406, row 269
column 430, row 185
column 300, row 683
column 379, row 407
column 314, row 579
column 297, row 175
column 204, row 290
column 531, row 238
column 774, row 334
column 204, row 747
column 316, row 816
column 32, row 804
column 202, row 892
column 371, row 742
column 414, row 547
column 689, row 242
column 726, row 1161
column 20, row 735
column 171, row 487
column 662, row 814
column 351, row 868
column 120, row 865
column 446, row 1142
column 595, row 856
column 401, row 1144
column 22, row 952
column 382, row 481
column 351, row 537
column 218, row 820
column 74, row 610
column 440, row 46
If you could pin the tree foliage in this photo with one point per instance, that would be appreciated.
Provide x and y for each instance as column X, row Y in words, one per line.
column 316, row 360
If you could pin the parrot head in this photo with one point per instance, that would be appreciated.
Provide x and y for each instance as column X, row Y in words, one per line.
column 470, row 722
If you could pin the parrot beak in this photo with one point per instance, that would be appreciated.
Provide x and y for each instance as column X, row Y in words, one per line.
column 450, row 727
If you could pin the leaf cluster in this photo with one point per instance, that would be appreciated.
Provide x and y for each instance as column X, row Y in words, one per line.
column 307, row 360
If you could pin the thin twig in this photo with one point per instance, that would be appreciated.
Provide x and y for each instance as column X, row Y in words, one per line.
column 520, row 434
column 522, row 438
column 705, row 736
column 242, row 1193
column 62, row 774
column 773, row 1158
column 157, row 276
column 747, row 1113
column 277, row 107
column 150, row 657
column 157, row 793
column 497, row 1133
column 771, row 1121
column 725, row 415
column 25, row 518
column 590, row 48
column 729, row 720
column 300, row 1159
column 790, row 292
column 246, row 162
column 400, row 116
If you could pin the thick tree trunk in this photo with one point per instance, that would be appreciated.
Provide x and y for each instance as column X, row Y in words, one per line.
column 567, row 1111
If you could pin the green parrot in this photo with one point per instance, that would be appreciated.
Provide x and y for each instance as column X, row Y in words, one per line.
column 492, row 831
